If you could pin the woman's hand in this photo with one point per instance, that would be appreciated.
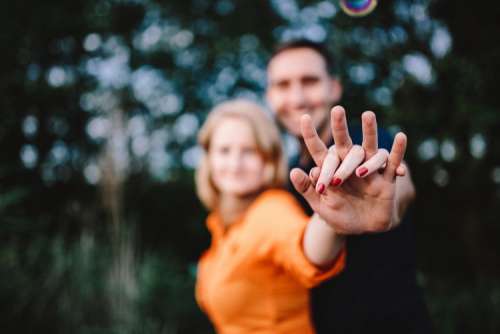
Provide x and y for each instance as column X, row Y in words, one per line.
column 367, row 201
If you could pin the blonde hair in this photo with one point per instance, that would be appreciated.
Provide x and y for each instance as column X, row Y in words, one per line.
column 266, row 135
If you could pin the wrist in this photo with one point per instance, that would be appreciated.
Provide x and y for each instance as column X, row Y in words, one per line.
column 329, row 230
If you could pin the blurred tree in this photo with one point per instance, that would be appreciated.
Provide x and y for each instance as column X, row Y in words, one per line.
column 99, row 223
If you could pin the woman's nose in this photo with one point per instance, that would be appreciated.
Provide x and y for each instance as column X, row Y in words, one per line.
column 236, row 161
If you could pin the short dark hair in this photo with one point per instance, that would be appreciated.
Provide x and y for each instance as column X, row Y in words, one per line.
column 320, row 48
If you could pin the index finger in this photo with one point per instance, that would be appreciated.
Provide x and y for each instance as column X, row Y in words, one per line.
column 340, row 132
column 330, row 164
column 317, row 149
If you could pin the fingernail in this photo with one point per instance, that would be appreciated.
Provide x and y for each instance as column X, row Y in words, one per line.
column 337, row 181
column 321, row 188
column 362, row 171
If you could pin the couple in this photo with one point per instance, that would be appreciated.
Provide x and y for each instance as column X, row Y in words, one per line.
column 266, row 252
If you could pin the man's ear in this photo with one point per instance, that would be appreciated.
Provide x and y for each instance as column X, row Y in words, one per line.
column 337, row 90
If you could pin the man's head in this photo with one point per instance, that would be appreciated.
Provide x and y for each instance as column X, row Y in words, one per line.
column 299, row 82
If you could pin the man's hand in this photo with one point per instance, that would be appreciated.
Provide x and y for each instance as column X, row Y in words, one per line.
column 353, row 204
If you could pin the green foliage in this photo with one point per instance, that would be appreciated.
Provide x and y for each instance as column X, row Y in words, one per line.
column 101, row 101
column 86, row 286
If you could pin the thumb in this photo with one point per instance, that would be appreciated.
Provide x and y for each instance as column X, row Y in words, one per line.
column 303, row 185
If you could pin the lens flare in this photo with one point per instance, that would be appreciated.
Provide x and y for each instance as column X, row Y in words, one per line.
column 358, row 7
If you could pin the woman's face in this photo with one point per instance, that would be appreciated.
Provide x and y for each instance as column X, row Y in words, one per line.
column 237, row 166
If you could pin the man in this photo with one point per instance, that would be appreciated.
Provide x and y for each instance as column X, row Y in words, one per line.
column 377, row 292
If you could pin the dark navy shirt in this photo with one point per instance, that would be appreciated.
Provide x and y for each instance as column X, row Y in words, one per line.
column 377, row 292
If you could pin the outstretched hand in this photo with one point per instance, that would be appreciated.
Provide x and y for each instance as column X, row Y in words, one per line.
column 352, row 204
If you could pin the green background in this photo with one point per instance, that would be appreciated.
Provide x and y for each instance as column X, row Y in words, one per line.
column 100, row 104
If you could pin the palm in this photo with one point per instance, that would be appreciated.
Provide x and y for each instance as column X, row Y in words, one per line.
column 360, row 205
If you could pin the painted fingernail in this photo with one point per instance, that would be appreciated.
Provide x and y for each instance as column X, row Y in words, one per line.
column 337, row 181
column 321, row 188
column 362, row 171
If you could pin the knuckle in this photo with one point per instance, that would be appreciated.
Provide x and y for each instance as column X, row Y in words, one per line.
column 380, row 226
column 357, row 148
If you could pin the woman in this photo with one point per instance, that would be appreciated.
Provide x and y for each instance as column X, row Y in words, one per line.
column 265, row 252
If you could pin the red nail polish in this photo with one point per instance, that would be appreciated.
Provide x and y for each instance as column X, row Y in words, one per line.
column 362, row 171
column 337, row 181
column 321, row 188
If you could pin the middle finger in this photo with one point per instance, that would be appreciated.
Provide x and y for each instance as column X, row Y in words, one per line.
column 355, row 156
column 340, row 132
column 370, row 138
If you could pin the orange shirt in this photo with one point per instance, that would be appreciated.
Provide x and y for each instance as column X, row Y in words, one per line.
column 254, row 278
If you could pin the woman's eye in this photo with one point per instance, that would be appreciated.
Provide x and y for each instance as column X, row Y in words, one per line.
column 249, row 150
column 223, row 150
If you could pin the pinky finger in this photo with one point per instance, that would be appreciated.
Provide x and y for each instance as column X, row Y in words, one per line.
column 396, row 156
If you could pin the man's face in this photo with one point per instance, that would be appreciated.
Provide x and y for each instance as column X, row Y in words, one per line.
column 298, row 84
